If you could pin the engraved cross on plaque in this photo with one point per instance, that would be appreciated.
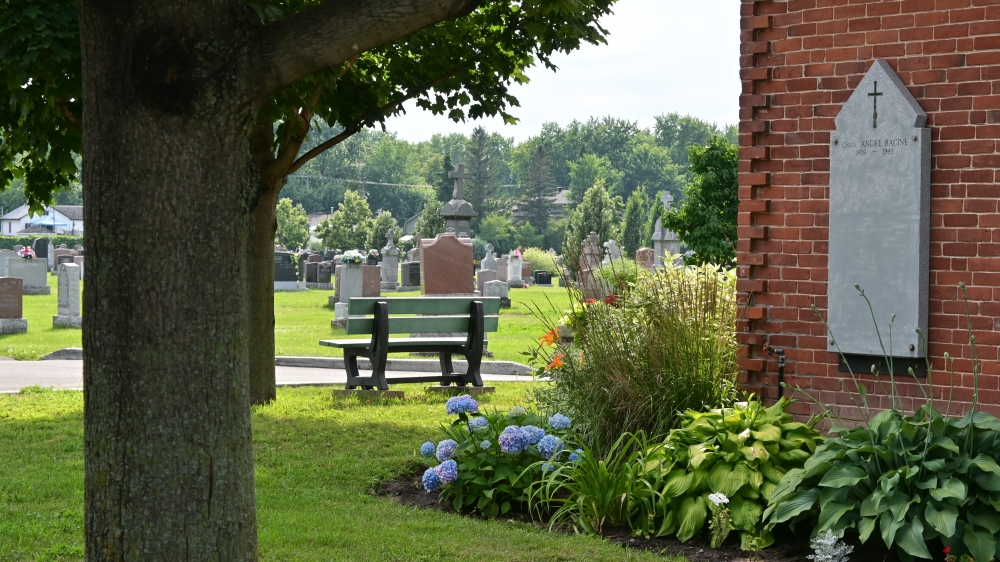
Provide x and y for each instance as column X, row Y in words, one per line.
column 459, row 175
column 874, row 95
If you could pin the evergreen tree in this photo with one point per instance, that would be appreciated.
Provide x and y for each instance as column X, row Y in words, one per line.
column 634, row 224
column 537, row 187
column 293, row 226
column 350, row 226
column 382, row 223
column 446, row 185
column 706, row 218
column 598, row 212
column 485, row 164
column 431, row 223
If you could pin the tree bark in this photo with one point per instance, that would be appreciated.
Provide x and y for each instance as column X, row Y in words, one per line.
column 260, row 263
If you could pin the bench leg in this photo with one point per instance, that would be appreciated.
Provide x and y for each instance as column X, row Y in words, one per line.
column 378, row 361
column 351, row 367
column 473, row 375
column 447, row 368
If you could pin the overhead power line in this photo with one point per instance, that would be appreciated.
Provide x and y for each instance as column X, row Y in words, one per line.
column 324, row 178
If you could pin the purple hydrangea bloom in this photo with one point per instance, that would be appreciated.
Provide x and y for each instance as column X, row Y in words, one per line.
column 446, row 449
column 431, row 480
column 479, row 423
column 461, row 404
column 559, row 421
column 513, row 439
column 447, row 471
column 485, row 444
column 427, row 448
column 535, row 434
column 549, row 446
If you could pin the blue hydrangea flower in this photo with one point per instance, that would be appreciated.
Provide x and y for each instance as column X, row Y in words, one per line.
column 549, row 446
column 515, row 411
column 535, row 434
column 548, row 467
column 461, row 404
column 559, row 421
column 574, row 457
column 486, row 444
column 446, row 449
column 513, row 439
column 479, row 423
column 431, row 480
column 447, row 471
column 427, row 448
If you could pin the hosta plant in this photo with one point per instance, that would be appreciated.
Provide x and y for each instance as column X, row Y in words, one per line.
column 740, row 452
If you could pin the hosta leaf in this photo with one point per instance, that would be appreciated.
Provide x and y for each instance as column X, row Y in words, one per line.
column 803, row 501
column 830, row 514
column 865, row 528
column 767, row 432
column 911, row 539
column 746, row 513
column 944, row 442
column 699, row 454
column 754, row 478
column 985, row 518
column 754, row 541
column 941, row 517
column 889, row 526
column 988, row 481
column 843, row 476
column 726, row 479
column 691, row 517
column 770, row 472
column 794, row 456
column 767, row 490
column 949, row 488
column 669, row 524
column 677, row 483
column 980, row 542
column 986, row 464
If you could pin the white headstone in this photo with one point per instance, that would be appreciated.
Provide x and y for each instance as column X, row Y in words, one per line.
column 32, row 272
column 496, row 289
column 390, row 264
column 69, row 297
column 490, row 261
column 514, row 269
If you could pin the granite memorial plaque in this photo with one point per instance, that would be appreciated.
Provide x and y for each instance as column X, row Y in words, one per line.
column 880, row 169
column 410, row 272
column 446, row 266
column 645, row 257
column 11, row 298
column 285, row 274
column 371, row 281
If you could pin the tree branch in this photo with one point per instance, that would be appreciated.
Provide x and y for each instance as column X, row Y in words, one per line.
column 73, row 121
column 336, row 30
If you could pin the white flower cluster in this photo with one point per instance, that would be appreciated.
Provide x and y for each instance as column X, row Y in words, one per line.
column 827, row 549
column 718, row 499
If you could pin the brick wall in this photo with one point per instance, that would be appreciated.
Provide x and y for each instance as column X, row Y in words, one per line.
column 800, row 60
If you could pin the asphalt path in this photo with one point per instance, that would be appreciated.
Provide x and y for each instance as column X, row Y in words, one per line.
column 68, row 375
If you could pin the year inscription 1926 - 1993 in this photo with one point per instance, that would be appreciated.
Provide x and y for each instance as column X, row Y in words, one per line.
column 875, row 147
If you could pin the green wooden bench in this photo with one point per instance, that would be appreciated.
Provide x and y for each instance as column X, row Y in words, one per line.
column 381, row 317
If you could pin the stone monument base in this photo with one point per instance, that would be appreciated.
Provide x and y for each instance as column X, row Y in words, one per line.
column 458, row 390
column 389, row 286
column 402, row 288
column 13, row 325
column 339, row 315
column 513, row 283
column 288, row 286
column 37, row 290
column 67, row 321
column 320, row 286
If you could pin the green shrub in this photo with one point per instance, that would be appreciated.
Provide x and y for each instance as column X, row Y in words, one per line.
column 666, row 346
column 496, row 463
column 621, row 275
column 740, row 452
column 542, row 259
column 8, row 242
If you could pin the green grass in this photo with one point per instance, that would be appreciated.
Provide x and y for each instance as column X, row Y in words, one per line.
column 316, row 460
column 301, row 320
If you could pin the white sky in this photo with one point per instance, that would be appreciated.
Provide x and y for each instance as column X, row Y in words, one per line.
column 662, row 56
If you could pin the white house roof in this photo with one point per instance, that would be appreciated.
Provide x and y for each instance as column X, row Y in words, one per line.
column 16, row 214
column 72, row 212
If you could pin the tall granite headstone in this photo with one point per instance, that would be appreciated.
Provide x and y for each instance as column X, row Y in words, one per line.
column 390, row 263
column 880, row 177
column 446, row 266
column 458, row 213
column 590, row 263
column 664, row 241
column 502, row 268
column 41, row 248
column 69, row 297
column 11, row 306
column 514, row 271
column 285, row 275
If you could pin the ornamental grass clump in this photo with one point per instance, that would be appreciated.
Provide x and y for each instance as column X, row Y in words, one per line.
column 665, row 343
column 489, row 459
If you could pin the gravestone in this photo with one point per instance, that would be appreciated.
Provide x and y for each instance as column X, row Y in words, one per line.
column 645, row 257
column 611, row 251
column 4, row 254
column 590, row 263
column 502, row 268
column 78, row 260
column 285, row 274
column 318, row 275
column 500, row 289
column 490, row 260
column 880, row 166
column 446, row 266
column 41, row 248
column 60, row 252
column 350, row 283
column 11, row 306
column 526, row 272
column 458, row 213
column 314, row 258
column 414, row 253
column 484, row 276
column 69, row 297
column 665, row 242
column 51, row 254
column 542, row 278
column 410, row 272
column 371, row 281
column 514, row 271
column 312, row 272
column 32, row 272
column 325, row 274
column 390, row 263
column 63, row 258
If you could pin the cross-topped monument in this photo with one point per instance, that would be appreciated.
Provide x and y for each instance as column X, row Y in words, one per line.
column 667, row 200
column 458, row 212
column 665, row 242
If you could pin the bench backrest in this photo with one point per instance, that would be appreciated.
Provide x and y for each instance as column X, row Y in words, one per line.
column 422, row 314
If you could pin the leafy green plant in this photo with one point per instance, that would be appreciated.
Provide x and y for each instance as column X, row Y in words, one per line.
column 489, row 460
column 741, row 453
column 910, row 478
column 591, row 490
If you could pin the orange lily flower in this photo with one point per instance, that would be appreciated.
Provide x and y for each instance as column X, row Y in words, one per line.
column 549, row 338
column 557, row 362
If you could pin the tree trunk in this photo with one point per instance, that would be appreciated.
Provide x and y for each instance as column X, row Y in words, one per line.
column 260, row 261
column 167, row 443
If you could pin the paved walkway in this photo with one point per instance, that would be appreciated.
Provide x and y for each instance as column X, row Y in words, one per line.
column 68, row 375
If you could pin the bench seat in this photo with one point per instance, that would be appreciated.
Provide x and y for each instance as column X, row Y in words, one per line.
column 396, row 342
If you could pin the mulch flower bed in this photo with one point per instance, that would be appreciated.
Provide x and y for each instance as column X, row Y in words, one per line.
column 788, row 546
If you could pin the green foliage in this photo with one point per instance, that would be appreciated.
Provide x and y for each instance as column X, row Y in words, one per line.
column 589, row 170
column 622, row 275
column 491, row 481
column 293, row 226
column 665, row 346
column 741, row 452
column 597, row 490
column 633, row 231
column 706, row 217
column 538, row 186
column 487, row 165
column 350, row 226
column 597, row 213
column 382, row 224
column 430, row 223
column 541, row 260
column 680, row 132
column 497, row 230
column 525, row 236
column 555, row 233
column 8, row 242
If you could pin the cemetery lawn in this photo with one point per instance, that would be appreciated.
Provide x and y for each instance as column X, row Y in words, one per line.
column 301, row 320
column 316, row 461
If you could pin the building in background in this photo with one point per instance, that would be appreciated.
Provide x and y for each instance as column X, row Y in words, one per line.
column 59, row 219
